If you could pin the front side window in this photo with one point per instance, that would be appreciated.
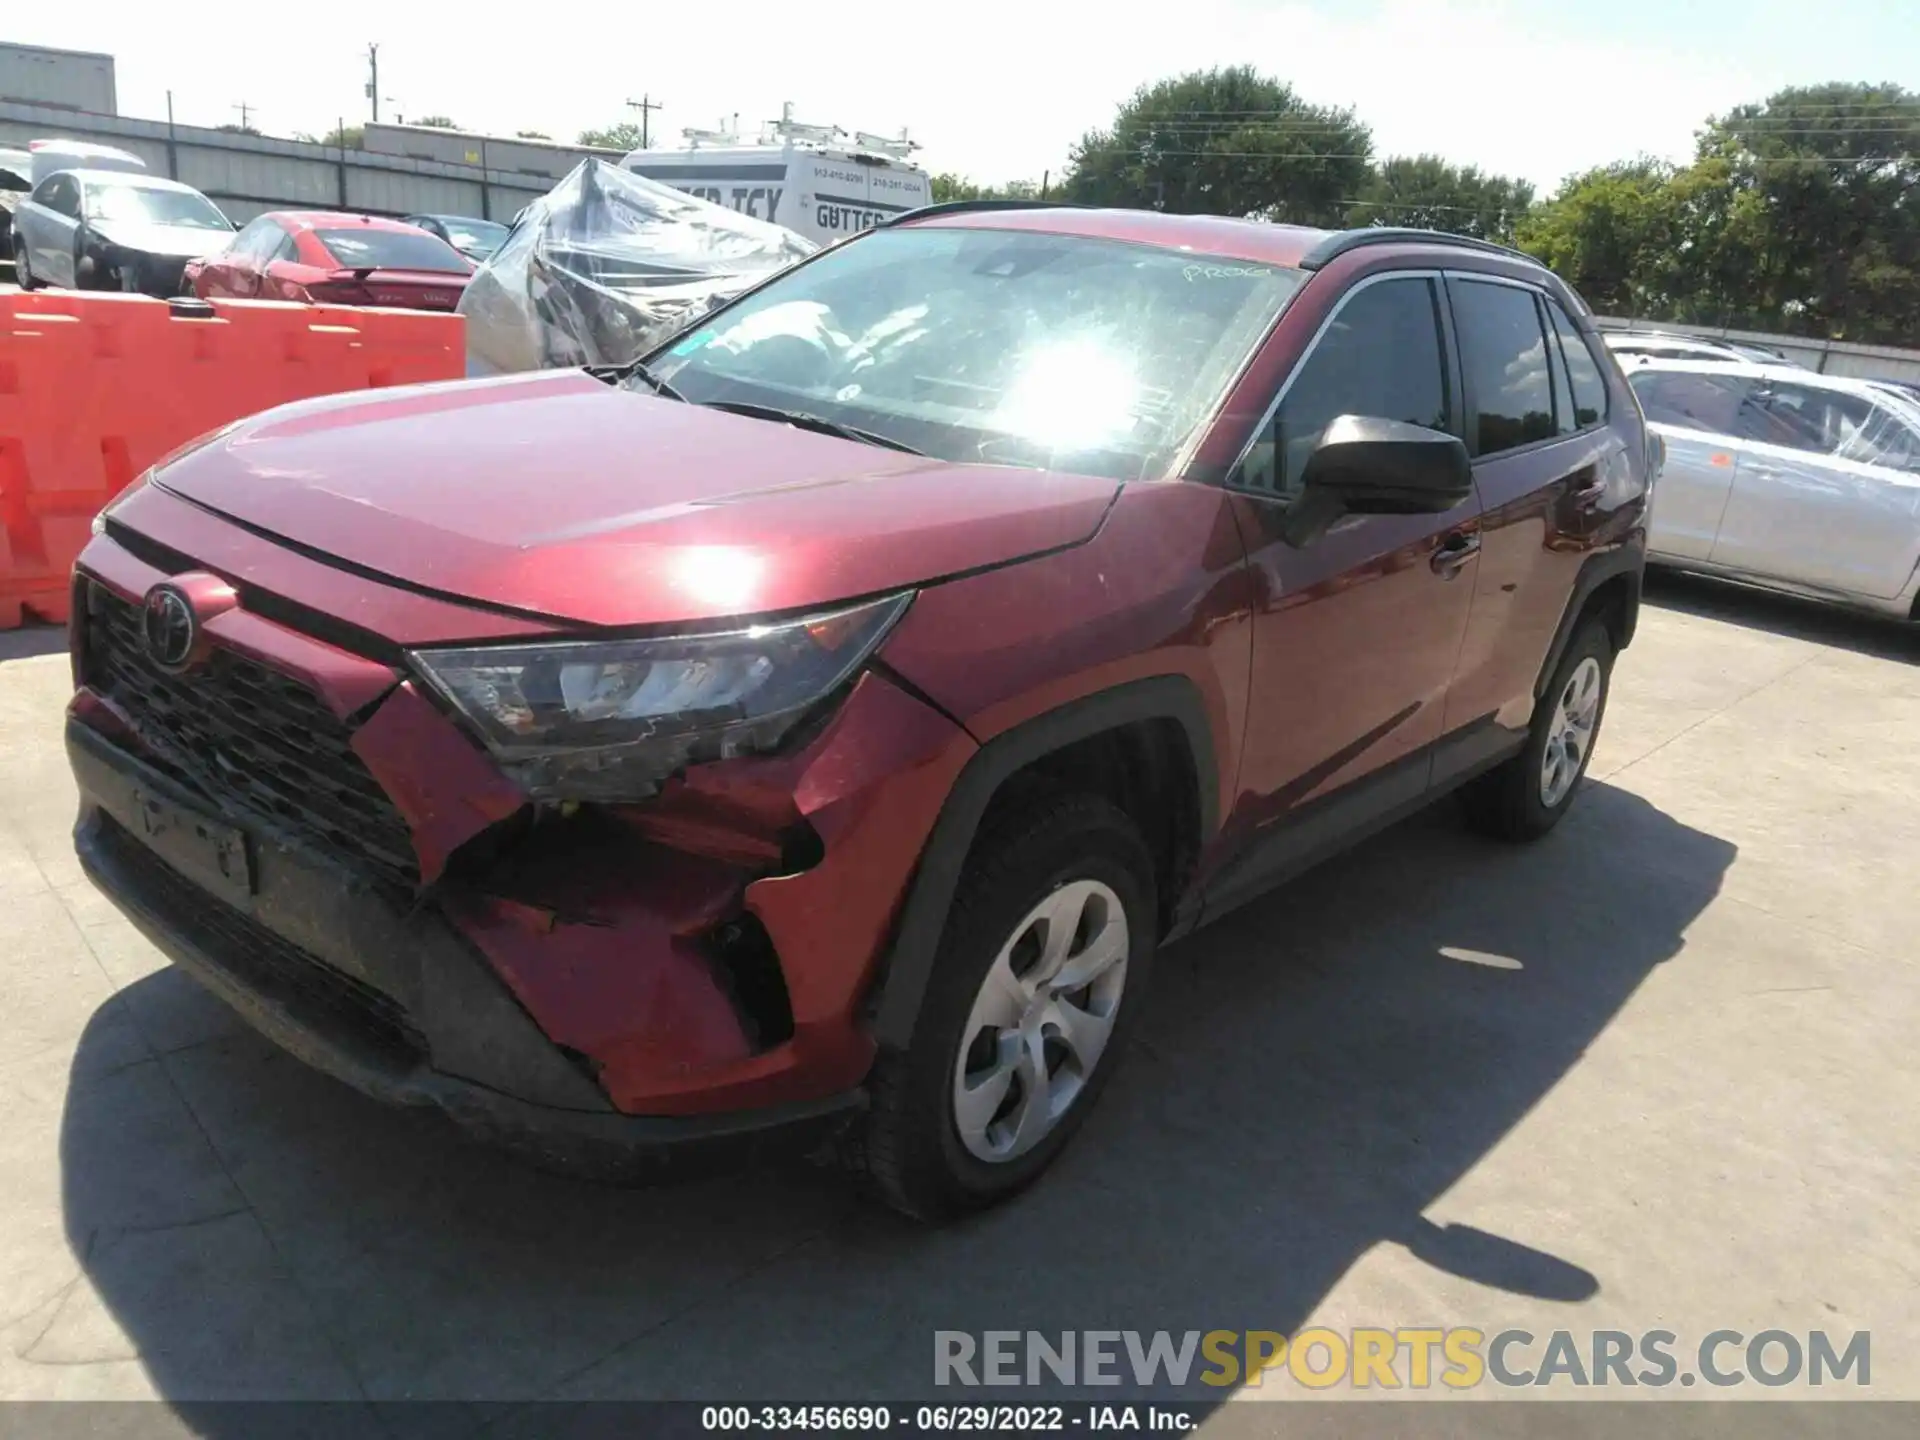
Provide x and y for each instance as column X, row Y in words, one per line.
column 1503, row 360
column 146, row 205
column 58, row 194
column 1379, row 357
column 1689, row 401
column 994, row 346
column 1806, row 417
column 1888, row 439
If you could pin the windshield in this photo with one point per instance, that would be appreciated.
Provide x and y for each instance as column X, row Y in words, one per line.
column 994, row 346
column 147, row 205
column 369, row 249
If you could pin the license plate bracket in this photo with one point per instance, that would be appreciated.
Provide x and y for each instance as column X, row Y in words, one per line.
column 218, row 855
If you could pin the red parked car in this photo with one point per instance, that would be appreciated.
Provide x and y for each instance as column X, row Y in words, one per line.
column 818, row 726
column 333, row 259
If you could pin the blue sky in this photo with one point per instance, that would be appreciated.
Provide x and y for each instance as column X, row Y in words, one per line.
column 999, row 89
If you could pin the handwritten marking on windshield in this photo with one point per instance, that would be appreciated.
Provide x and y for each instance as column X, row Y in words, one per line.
column 1225, row 272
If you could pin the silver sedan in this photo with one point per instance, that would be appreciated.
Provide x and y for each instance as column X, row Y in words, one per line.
column 1784, row 478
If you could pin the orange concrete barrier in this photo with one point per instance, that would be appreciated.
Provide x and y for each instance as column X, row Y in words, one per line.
column 95, row 388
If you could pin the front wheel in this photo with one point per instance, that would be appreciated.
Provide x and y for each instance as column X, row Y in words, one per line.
column 22, row 272
column 1525, row 797
column 1038, row 981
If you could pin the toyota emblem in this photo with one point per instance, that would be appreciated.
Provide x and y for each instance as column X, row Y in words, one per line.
column 168, row 627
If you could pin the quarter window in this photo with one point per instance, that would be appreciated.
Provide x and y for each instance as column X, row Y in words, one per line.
column 1380, row 357
column 1503, row 358
column 1583, row 371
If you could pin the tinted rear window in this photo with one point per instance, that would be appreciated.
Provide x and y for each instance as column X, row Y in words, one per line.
column 367, row 248
column 1503, row 357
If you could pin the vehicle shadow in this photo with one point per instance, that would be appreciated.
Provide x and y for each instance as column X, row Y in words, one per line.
column 1318, row 1069
column 1787, row 615
column 33, row 639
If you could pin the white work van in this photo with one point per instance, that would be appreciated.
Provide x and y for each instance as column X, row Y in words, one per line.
column 809, row 178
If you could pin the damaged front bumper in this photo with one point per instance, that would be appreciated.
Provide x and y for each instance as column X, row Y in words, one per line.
column 601, row 988
column 397, row 1004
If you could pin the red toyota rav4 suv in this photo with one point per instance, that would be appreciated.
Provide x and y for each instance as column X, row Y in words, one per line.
column 817, row 727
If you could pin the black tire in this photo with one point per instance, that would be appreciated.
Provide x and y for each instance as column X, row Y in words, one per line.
column 22, row 272
column 909, row 1149
column 1506, row 803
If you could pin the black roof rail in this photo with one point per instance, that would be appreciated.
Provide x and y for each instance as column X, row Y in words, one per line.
column 961, row 207
column 1339, row 244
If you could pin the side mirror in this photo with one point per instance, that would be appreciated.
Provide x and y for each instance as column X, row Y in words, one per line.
column 1362, row 465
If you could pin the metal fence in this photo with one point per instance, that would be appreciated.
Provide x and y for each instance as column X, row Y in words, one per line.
column 249, row 174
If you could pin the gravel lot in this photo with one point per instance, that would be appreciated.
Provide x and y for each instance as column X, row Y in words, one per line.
column 1657, row 1072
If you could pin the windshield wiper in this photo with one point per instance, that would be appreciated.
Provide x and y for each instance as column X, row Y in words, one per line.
column 806, row 420
column 634, row 370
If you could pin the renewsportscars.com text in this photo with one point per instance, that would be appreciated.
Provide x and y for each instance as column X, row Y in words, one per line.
column 1410, row 1358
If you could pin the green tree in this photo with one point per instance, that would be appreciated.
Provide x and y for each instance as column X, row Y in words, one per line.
column 1818, row 207
column 1426, row 192
column 531, row 135
column 948, row 186
column 1609, row 234
column 346, row 137
column 1224, row 142
column 623, row 136
column 437, row 122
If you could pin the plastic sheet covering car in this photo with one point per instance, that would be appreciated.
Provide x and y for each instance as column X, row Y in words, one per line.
column 606, row 265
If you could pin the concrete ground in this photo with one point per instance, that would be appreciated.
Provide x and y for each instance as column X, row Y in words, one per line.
column 1656, row 1072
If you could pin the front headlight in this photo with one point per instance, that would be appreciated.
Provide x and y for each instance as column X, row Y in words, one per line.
column 612, row 719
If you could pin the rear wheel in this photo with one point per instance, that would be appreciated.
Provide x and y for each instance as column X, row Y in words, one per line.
column 1039, row 979
column 1525, row 797
column 23, row 275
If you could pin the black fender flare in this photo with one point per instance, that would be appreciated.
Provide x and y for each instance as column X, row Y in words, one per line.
column 1628, row 559
column 909, row 963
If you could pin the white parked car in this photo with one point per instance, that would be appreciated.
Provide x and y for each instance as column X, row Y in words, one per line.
column 1632, row 347
column 1784, row 478
column 113, row 230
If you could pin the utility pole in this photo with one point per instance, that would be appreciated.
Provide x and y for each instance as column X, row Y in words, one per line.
column 245, row 110
column 373, row 80
column 646, row 105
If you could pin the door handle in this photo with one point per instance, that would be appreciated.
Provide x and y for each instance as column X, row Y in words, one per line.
column 1454, row 553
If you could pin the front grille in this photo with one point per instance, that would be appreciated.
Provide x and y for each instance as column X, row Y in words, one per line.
column 240, row 731
column 334, row 1001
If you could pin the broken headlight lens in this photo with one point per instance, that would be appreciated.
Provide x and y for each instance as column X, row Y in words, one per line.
column 612, row 719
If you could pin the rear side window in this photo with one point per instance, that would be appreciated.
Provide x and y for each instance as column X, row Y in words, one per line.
column 1503, row 359
column 370, row 249
column 1380, row 357
column 1686, row 401
column 1583, row 371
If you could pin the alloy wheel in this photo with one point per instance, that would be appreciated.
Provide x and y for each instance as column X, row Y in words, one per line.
column 1570, row 733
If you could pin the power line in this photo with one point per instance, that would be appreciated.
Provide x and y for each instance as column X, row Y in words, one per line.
column 1760, row 161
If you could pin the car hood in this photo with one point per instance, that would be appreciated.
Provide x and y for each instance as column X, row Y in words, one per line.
column 561, row 496
column 171, row 240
